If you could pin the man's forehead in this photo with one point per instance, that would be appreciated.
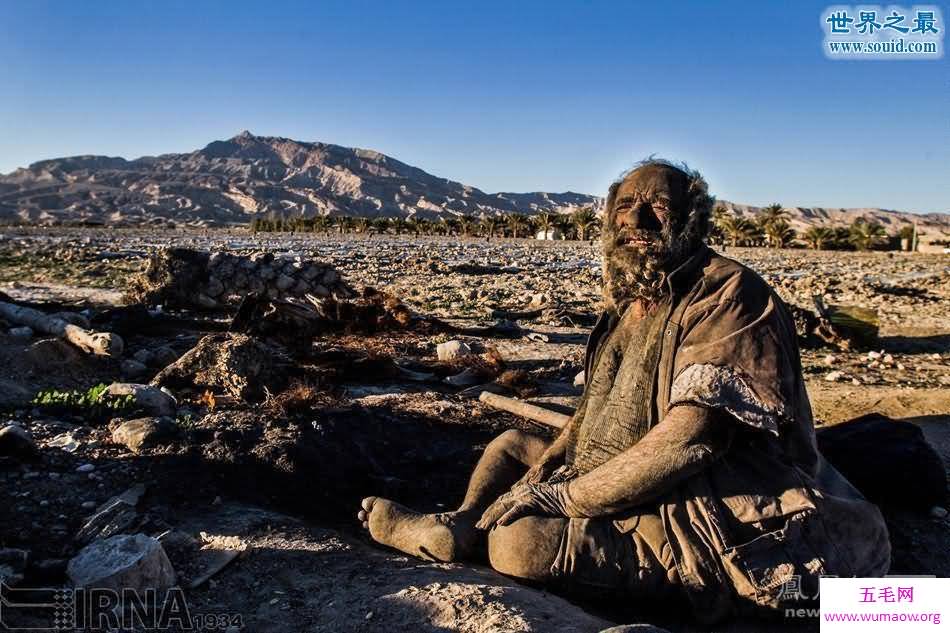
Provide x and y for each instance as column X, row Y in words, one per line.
column 654, row 179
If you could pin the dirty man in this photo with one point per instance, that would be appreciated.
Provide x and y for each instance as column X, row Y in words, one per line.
column 689, row 470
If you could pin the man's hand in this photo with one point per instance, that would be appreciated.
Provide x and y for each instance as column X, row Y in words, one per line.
column 540, row 472
column 526, row 500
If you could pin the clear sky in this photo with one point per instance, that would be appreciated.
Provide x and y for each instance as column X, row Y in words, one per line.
column 506, row 96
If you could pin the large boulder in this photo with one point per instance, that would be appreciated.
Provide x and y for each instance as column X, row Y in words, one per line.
column 135, row 562
column 236, row 364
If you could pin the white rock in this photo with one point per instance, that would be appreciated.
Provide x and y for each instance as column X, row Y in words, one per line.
column 135, row 562
column 834, row 375
column 874, row 355
column 938, row 512
column 580, row 379
column 830, row 359
column 85, row 468
column 451, row 350
column 152, row 399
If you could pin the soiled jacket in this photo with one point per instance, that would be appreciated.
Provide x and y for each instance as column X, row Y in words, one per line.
column 759, row 526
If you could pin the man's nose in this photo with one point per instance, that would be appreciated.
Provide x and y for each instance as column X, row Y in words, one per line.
column 630, row 219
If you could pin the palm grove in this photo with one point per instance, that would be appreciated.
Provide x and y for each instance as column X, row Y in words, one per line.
column 770, row 227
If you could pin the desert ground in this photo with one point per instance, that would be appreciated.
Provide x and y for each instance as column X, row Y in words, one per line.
column 278, row 481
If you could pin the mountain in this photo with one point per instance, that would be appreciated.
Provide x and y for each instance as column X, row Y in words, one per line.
column 937, row 225
column 231, row 182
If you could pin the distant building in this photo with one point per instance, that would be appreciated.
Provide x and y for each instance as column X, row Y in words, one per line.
column 550, row 234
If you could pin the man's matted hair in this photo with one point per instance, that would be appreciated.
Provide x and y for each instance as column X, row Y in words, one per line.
column 694, row 226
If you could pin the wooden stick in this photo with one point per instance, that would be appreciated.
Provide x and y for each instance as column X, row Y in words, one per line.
column 99, row 343
column 525, row 409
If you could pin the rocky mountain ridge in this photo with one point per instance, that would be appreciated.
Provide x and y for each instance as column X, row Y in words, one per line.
column 230, row 182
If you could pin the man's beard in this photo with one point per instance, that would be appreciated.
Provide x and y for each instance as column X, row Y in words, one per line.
column 637, row 271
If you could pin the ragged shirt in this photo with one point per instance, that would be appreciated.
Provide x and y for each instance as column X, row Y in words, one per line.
column 618, row 405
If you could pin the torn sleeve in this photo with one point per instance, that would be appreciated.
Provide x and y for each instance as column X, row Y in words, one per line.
column 718, row 387
column 740, row 356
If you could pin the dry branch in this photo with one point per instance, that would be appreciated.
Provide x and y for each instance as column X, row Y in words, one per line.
column 99, row 343
column 525, row 410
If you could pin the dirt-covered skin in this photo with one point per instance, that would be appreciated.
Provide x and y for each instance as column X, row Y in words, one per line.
column 379, row 433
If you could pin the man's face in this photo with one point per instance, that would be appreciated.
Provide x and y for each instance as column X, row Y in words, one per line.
column 648, row 203
column 642, row 231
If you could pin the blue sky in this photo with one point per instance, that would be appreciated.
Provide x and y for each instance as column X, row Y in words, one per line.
column 506, row 96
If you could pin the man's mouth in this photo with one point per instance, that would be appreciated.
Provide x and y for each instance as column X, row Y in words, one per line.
column 638, row 240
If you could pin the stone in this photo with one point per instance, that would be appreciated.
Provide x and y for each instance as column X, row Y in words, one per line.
column 255, row 286
column 13, row 395
column 214, row 287
column 163, row 356
column 12, row 565
column 22, row 333
column 452, row 350
column 150, row 398
column 830, row 360
column 143, row 356
column 834, row 375
column 135, row 562
column 311, row 272
column 15, row 441
column 85, row 468
column 580, row 378
column 132, row 368
column 144, row 433
column 330, row 277
column 284, row 282
column 301, row 287
column 266, row 273
column 204, row 301
column 938, row 512
column 321, row 291
column 113, row 516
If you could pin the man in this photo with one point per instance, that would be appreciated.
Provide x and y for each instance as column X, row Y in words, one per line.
column 690, row 467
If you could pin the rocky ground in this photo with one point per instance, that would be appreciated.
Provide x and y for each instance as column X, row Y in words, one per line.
column 274, row 484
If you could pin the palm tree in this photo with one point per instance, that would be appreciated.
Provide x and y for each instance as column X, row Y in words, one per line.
column 818, row 237
column 545, row 223
column 362, row 225
column 737, row 230
column 489, row 225
column 772, row 213
column 866, row 235
column 565, row 223
column 779, row 234
column 517, row 223
column 381, row 225
column 715, row 231
column 584, row 218
column 413, row 225
column 466, row 225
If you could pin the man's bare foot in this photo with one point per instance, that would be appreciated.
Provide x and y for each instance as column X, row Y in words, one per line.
column 444, row 537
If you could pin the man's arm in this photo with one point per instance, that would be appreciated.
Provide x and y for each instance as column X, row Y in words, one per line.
column 687, row 440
